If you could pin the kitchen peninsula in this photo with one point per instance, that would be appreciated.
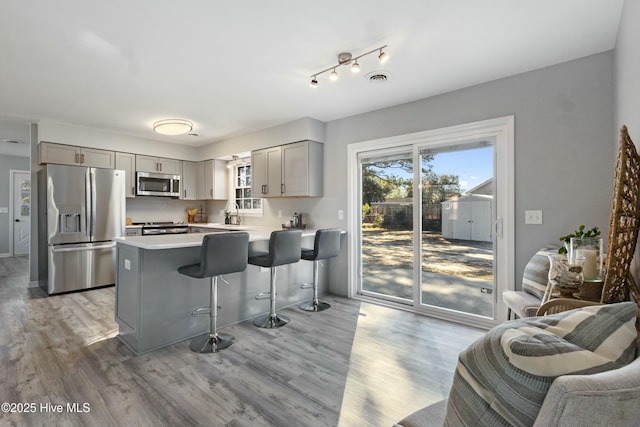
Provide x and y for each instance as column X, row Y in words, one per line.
column 154, row 302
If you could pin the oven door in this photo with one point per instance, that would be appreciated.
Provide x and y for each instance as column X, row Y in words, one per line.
column 155, row 184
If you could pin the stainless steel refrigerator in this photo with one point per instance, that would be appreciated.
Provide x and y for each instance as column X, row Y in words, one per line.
column 81, row 210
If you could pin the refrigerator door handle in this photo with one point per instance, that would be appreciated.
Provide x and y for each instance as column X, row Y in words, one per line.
column 92, row 175
column 56, row 249
column 87, row 204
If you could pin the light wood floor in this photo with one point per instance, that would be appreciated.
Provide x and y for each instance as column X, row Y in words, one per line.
column 357, row 364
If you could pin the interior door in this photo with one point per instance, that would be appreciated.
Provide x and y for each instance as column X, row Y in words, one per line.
column 21, row 212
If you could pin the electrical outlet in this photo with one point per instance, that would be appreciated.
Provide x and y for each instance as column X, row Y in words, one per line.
column 127, row 264
column 340, row 214
column 279, row 214
column 533, row 217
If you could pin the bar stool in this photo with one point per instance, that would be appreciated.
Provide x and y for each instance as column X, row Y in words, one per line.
column 325, row 245
column 284, row 248
column 221, row 253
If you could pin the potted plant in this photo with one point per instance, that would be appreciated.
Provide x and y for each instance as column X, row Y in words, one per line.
column 227, row 217
column 579, row 233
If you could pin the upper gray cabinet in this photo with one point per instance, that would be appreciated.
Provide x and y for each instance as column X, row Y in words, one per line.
column 157, row 164
column 189, row 181
column 127, row 163
column 215, row 180
column 206, row 180
column 266, row 166
column 291, row 170
column 63, row 154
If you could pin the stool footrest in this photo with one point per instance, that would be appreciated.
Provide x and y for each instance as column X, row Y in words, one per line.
column 263, row 295
column 202, row 311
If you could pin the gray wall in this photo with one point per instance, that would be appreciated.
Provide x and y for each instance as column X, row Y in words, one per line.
column 8, row 163
column 563, row 144
column 627, row 88
column 627, row 71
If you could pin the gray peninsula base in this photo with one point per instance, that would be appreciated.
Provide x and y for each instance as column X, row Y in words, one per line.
column 154, row 302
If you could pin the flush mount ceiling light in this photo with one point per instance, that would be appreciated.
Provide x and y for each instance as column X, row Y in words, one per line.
column 346, row 58
column 172, row 127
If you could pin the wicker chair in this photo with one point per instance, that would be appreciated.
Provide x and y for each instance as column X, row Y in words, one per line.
column 623, row 234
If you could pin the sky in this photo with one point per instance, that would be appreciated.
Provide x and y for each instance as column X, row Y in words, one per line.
column 472, row 166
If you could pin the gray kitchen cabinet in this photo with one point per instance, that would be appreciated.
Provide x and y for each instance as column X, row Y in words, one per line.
column 302, row 167
column 157, row 164
column 189, row 181
column 215, row 180
column 266, row 169
column 127, row 163
column 291, row 170
column 200, row 184
column 63, row 154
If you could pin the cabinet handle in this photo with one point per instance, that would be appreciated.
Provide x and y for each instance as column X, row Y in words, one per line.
column 265, row 189
column 81, row 158
column 281, row 188
column 77, row 158
column 211, row 192
column 133, row 190
column 185, row 194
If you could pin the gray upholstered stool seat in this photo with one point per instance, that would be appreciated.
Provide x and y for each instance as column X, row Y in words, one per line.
column 284, row 248
column 221, row 253
column 325, row 245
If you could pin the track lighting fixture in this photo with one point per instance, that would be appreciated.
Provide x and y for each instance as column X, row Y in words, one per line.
column 346, row 58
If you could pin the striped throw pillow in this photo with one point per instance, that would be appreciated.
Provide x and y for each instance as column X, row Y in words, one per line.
column 502, row 378
column 536, row 272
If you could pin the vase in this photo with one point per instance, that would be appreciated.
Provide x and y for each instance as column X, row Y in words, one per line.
column 588, row 252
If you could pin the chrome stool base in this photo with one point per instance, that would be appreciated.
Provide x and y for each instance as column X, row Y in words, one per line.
column 271, row 321
column 314, row 306
column 208, row 344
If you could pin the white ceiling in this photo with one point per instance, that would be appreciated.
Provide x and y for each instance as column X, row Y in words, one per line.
column 233, row 67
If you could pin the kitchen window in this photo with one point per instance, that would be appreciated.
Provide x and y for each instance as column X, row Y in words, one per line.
column 242, row 187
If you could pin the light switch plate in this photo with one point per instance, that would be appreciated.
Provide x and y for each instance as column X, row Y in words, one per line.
column 340, row 214
column 4, row 210
column 127, row 264
column 533, row 217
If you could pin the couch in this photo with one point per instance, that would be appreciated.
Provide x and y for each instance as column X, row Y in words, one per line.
column 609, row 398
column 608, row 395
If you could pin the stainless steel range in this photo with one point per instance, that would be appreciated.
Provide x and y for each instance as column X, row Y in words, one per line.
column 151, row 228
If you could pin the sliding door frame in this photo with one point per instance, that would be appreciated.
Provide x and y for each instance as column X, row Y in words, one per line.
column 501, row 132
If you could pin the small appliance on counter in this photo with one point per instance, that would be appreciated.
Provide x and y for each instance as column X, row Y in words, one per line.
column 295, row 222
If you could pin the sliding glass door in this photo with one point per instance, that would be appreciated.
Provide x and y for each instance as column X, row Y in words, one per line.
column 433, row 223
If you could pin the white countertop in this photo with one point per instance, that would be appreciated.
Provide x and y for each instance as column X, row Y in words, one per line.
column 173, row 241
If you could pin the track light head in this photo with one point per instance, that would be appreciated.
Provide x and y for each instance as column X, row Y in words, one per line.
column 314, row 82
column 334, row 75
column 355, row 67
column 383, row 56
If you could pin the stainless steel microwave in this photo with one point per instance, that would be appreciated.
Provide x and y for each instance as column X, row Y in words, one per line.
column 157, row 184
